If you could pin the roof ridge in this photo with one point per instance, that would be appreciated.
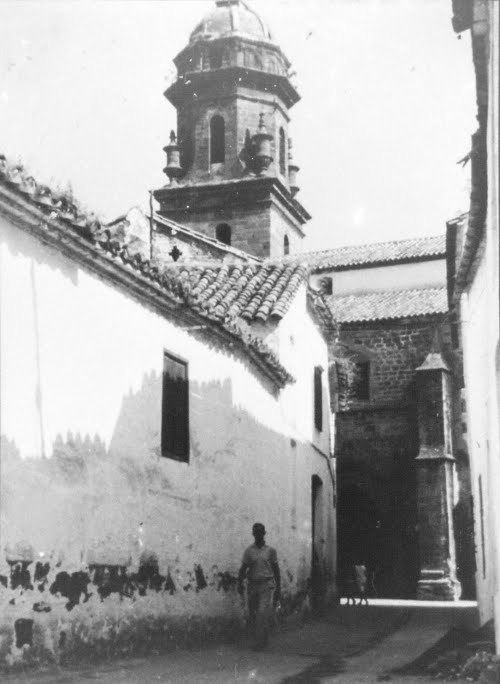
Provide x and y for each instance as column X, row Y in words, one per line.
column 382, row 243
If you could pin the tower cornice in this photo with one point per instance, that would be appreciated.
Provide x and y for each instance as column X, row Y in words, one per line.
column 247, row 191
column 188, row 84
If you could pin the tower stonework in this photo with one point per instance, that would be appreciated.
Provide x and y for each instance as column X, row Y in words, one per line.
column 230, row 168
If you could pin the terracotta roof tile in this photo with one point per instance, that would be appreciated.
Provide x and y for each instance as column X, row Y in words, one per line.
column 217, row 293
column 377, row 253
column 374, row 306
column 252, row 292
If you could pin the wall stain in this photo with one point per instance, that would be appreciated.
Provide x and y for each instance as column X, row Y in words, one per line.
column 201, row 582
column 20, row 575
column 71, row 587
column 24, row 632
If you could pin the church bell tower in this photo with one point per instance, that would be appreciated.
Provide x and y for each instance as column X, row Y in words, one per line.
column 230, row 167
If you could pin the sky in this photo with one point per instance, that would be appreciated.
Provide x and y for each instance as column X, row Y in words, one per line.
column 387, row 109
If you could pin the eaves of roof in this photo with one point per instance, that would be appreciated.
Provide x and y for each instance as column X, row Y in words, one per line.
column 378, row 254
column 57, row 222
column 388, row 305
column 229, row 188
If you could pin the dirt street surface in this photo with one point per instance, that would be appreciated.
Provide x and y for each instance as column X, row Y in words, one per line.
column 351, row 645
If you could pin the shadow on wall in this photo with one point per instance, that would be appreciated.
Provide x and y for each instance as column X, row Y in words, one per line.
column 117, row 551
column 20, row 244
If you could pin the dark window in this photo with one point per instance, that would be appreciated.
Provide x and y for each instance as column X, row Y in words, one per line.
column 215, row 57
column 223, row 233
column 318, row 398
column 360, row 381
column 327, row 286
column 483, row 538
column 286, row 245
column 282, row 152
column 217, row 140
column 175, row 409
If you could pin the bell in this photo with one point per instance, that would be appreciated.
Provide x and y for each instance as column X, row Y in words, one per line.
column 262, row 146
column 173, row 168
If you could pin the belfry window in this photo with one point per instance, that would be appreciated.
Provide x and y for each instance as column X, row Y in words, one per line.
column 215, row 56
column 217, row 140
column 223, row 233
column 286, row 245
column 282, row 152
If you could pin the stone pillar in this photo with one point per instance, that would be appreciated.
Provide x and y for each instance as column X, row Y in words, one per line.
column 435, row 470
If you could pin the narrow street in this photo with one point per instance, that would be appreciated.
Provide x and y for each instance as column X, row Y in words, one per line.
column 351, row 645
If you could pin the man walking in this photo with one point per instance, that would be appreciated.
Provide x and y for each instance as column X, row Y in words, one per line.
column 260, row 567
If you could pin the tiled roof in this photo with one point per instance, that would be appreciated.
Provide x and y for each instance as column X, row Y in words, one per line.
column 217, row 294
column 253, row 292
column 377, row 253
column 375, row 306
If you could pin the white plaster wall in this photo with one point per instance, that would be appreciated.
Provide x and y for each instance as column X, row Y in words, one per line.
column 480, row 316
column 477, row 310
column 396, row 277
column 493, row 252
column 79, row 356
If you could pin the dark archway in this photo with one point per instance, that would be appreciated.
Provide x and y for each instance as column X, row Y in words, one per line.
column 318, row 583
column 375, row 525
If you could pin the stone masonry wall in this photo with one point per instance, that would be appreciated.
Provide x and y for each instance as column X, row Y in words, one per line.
column 377, row 442
column 394, row 349
column 250, row 227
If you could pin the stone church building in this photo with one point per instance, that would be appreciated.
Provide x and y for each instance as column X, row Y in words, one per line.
column 233, row 179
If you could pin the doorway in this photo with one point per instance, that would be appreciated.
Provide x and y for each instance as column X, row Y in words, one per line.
column 318, row 583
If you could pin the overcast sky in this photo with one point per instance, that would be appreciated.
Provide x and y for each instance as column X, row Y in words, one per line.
column 388, row 105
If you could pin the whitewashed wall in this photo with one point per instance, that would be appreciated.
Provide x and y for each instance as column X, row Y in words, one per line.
column 481, row 343
column 410, row 276
column 82, row 479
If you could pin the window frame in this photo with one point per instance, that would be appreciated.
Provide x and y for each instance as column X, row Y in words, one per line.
column 318, row 398
column 181, row 455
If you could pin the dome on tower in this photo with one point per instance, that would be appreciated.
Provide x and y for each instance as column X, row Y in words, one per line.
column 229, row 18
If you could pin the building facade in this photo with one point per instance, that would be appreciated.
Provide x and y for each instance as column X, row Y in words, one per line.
column 473, row 281
column 148, row 419
column 404, row 486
